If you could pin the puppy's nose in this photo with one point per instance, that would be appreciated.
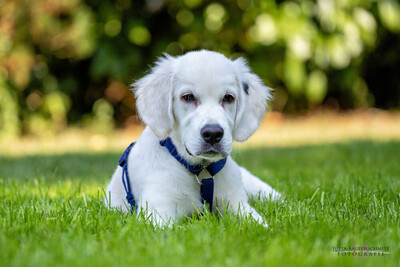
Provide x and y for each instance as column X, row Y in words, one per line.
column 212, row 133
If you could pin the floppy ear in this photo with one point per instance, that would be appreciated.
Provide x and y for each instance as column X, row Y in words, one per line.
column 154, row 97
column 252, row 101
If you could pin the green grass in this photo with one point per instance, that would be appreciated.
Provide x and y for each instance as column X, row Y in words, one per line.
column 52, row 212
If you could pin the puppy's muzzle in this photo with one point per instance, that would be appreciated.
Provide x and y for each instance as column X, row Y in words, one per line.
column 212, row 133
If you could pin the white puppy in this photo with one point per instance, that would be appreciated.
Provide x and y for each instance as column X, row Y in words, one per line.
column 202, row 101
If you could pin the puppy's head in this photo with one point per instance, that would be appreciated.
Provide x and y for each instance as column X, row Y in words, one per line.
column 203, row 101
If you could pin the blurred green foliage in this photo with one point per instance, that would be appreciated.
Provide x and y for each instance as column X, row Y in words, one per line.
column 70, row 61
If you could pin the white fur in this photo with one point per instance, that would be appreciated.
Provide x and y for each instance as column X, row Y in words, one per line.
column 162, row 187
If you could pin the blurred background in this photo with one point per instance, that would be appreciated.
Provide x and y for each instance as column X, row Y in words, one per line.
column 70, row 62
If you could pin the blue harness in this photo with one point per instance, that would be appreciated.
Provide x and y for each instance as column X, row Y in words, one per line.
column 207, row 184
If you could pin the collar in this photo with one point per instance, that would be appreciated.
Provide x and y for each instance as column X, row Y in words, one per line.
column 213, row 168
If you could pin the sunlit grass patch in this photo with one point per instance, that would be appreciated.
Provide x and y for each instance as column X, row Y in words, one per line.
column 275, row 130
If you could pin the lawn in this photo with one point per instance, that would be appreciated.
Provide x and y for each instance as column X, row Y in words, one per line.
column 336, row 195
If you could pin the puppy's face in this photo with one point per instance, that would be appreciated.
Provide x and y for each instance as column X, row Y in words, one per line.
column 203, row 101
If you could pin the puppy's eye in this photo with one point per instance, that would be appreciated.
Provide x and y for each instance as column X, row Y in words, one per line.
column 228, row 98
column 189, row 98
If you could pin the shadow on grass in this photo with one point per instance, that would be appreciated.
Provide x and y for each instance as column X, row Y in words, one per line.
column 295, row 171
column 88, row 167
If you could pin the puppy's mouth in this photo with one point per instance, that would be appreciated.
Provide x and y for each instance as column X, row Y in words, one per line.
column 207, row 153
column 211, row 152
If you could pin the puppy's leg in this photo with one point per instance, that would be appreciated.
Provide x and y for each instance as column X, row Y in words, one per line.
column 160, row 207
column 115, row 198
column 255, row 187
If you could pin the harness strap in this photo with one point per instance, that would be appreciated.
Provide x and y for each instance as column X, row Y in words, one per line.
column 123, row 162
column 207, row 191
column 207, row 184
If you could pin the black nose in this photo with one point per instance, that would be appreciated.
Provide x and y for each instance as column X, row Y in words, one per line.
column 212, row 133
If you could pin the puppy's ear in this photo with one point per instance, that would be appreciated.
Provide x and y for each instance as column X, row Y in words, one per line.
column 252, row 101
column 154, row 97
